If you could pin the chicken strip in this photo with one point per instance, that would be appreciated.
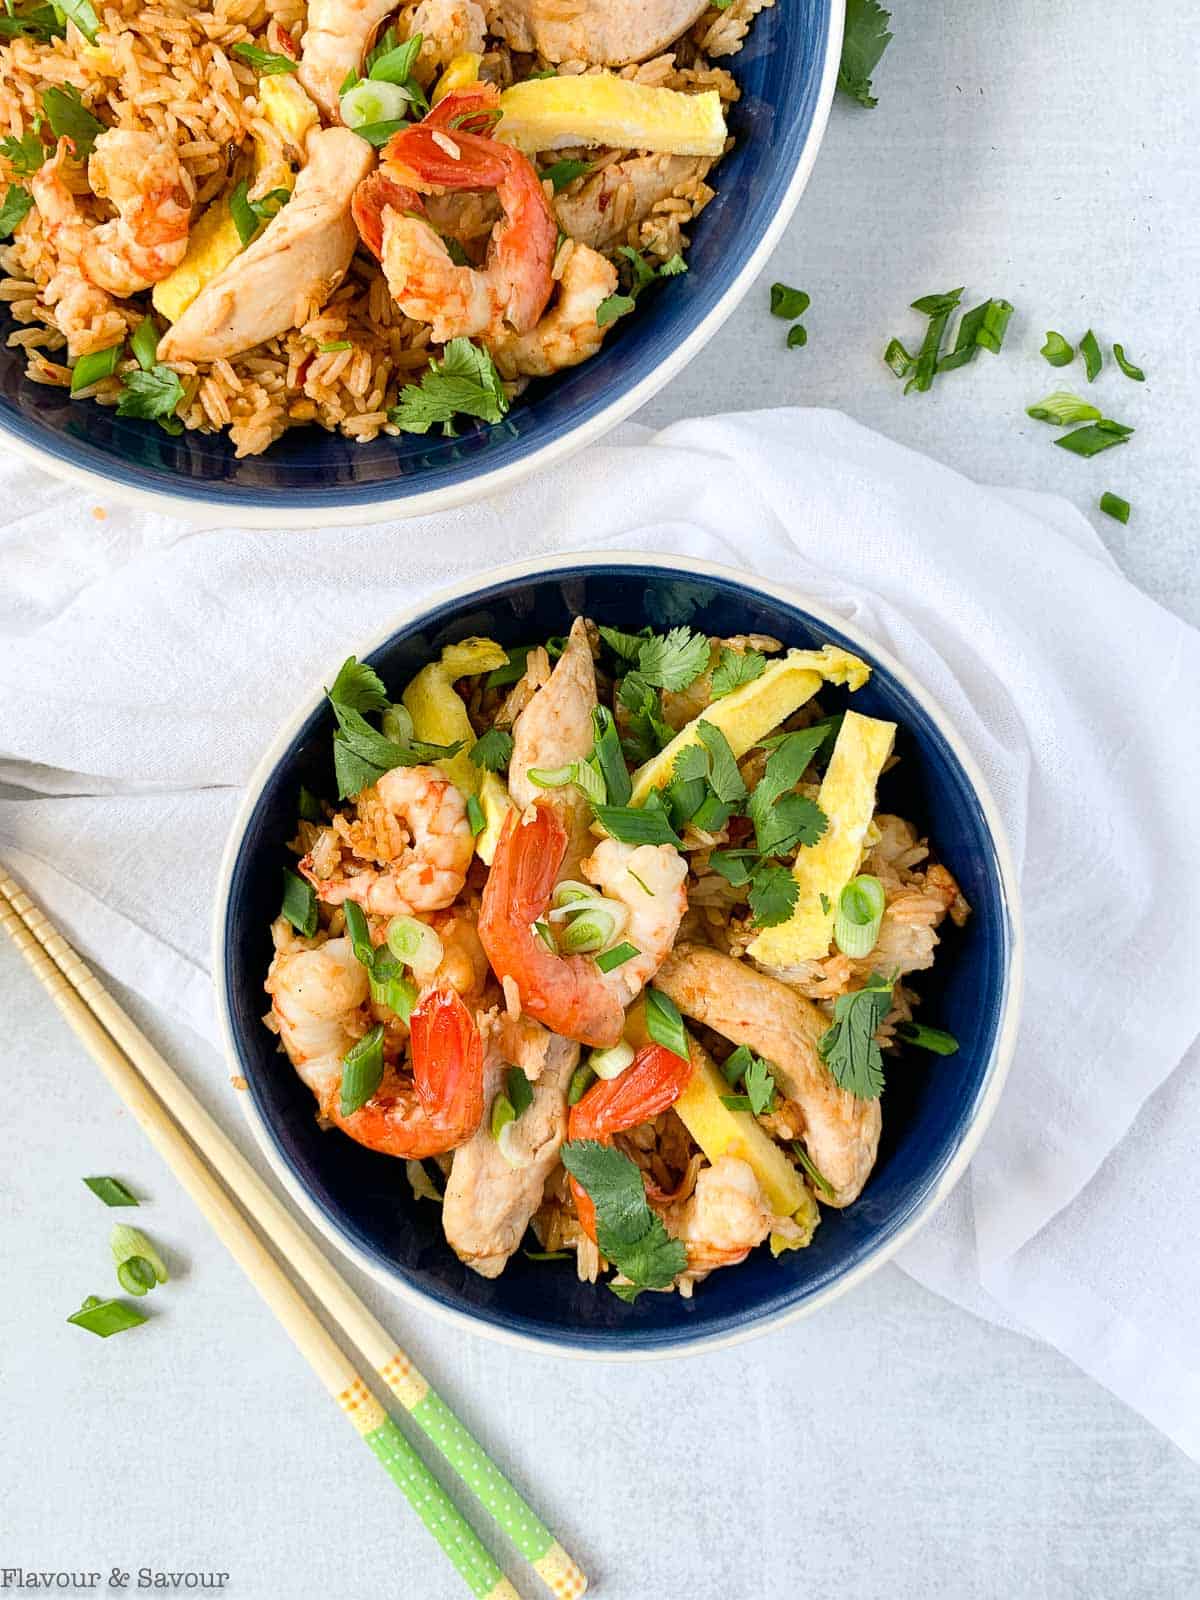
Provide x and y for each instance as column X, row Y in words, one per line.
column 599, row 32
column 841, row 1132
column 555, row 728
column 299, row 259
column 334, row 45
column 590, row 215
column 489, row 1203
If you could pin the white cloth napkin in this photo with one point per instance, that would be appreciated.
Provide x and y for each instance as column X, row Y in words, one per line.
column 144, row 664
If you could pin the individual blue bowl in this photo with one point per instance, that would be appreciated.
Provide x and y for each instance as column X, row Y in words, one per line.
column 786, row 71
column 934, row 1109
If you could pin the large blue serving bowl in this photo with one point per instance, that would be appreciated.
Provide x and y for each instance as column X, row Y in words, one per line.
column 935, row 1108
column 786, row 71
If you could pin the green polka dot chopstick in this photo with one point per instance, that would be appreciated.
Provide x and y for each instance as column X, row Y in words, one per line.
column 135, row 1068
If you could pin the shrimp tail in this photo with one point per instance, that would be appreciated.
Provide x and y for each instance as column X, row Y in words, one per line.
column 380, row 191
column 447, row 1059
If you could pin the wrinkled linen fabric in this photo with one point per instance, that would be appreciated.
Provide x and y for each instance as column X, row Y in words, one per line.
column 145, row 664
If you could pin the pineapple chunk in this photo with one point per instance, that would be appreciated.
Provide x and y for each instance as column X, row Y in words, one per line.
column 847, row 798
column 722, row 1132
column 438, row 713
column 807, row 1218
column 494, row 798
column 100, row 57
column 749, row 713
column 460, row 73
column 287, row 108
column 600, row 108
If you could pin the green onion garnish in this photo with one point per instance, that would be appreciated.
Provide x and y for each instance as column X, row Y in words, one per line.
column 564, row 172
column 664, row 1024
column 609, row 960
column 1089, row 349
column 97, row 364
column 797, row 337
column 502, row 1114
column 545, row 1255
column 308, row 807
column 397, row 724
column 546, row 934
column 299, row 903
column 334, row 344
column 1062, row 408
column 588, row 932
column 935, row 1039
column 112, row 1191
column 734, row 1069
column 136, row 1275
column 612, row 1063
column 609, row 757
column 712, row 815
column 637, row 824
column 1096, row 437
column 787, row 302
column 1127, row 366
column 582, row 1080
column 399, row 994
column 106, row 1317
column 737, row 1102
column 415, row 943
column 144, row 344
column 898, row 358
column 265, row 62
column 512, row 670
column 1112, row 505
column 362, row 1071
column 1057, row 351
column 581, row 773
column 938, row 308
column 859, row 914
column 129, row 1243
column 519, row 1090
column 812, row 1170
column 476, row 820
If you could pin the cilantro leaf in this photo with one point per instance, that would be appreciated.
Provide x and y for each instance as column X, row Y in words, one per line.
column 773, row 894
column 14, row 208
column 493, row 750
column 760, row 1086
column 734, row 668
column 673, row 660
column 24, row 155
column 863, row 42
column 70, row 119
column 627, row 1231
column 625, row 645
column 265, row 62
column 361, row 754
column 723, row 772
column 612, row 307
column 249, row 216
column 152, row 395
column 782, row 819
column 644, row 273
column 42, row 23
column 735, row 866
column 645, row 731
column 464, row 382
column 358, row 686
column 849, row 1048
column 519, row 1090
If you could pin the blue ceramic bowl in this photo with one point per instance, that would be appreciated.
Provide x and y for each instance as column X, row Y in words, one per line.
column 935, row 1108
column 786, row 71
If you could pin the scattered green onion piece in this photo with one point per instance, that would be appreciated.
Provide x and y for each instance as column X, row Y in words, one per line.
column 1127, row 366
column 569, row 891
column 394, row 63
column 546, row 1255
column 136, row 1275
column 641, row 882
column 1113, row 506
column 581, row 773
column 127, row 1242
column 144, row 344
column 1089, row 349
column 787, row 302
column 1062, row 408
column 1095, row 438
column 476, row 820
column 371, row 102
column 995, row 325
column 610, row 758
column 502, row 1114
column 966, row 343
column 362, row 1071
column 397, row 724
column 734, row 1069
column 82, row 14
column 112, row 1191
column 546, row 934
column 334, row 345
column 859, row 914
column 938, row 308
column 812, row 1170
column 106, row 1317
column 582, row 1080
column 935, row 1039
column 1057, row 351
column 898, row 358
column 638, row 824
column 358, row 933
column 414, row 943
column 664, row 1024
column 797, row 336
column 378, row 133
column 613, row 1062
column 267, row 63
column 299, row 903
column 712, row 815
column 588, row 933
column 609, row 960
column 399, row 994
column 561, row 173
column 97, row 364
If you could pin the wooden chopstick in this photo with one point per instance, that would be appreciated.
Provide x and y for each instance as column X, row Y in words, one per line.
column 134, row 1067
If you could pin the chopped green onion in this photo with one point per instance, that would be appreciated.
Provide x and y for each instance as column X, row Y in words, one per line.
column 358, row 933
column 1112, row 505
column 712, row 815
column 938, row 308
column 106, row 1317
column 797, row 337
column 664, row 1024
column 378, row 133
column 334, row 345
column 581, row 773
column 299, row 903
column 397, row 724
column 637, row 824
column 144, row 344
column 737, row 1102
column 476, row 820
column 1095, row 438
column 1127, row 366
column 502, row 1114
column 362, row 1071
column 735, row 1068
column 595, row 901
column 812, row 1170
column 582, row 1080
column 613, row 1062
column 82, row 14
column 127, row 1242
column 265, row 62
column 398, row 993
column 609, row 757
column 788, row 303
column 415, row 943
column 545, row 1255
column 569, row 891
column 564, row 172
column 935, row 1039
column 641, row 882
column 609, row 960
column 112, row 1191
column 136, row 1275
column 898, row 358
column 371, row 102
column 588, row 932
column 395, row 64
column 1057, row 351
column 1062, row 408
column 995, row 325
column 859, row 914
column 1089, row 349
column 308, row 807
column 519, row 1089
column 97, row 364
column 546, row 934
column 512, row 670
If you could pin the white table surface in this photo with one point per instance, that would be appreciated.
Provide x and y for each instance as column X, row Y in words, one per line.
column 892, row 1445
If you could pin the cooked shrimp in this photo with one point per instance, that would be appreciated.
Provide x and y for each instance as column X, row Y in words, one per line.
column 515, row 284
column 841, row 1132
column 653, row 1080
column 648, row 879
column 569, row 332
column 554, row 729
column 464, row 965
column 724, row 1217
column 569, row 994
column 335, row 41
column 427, row 872
column 146, row 182
column 317, row 997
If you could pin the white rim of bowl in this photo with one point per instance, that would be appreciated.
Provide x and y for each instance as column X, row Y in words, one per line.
column 997, row 1069
column 219, row 515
